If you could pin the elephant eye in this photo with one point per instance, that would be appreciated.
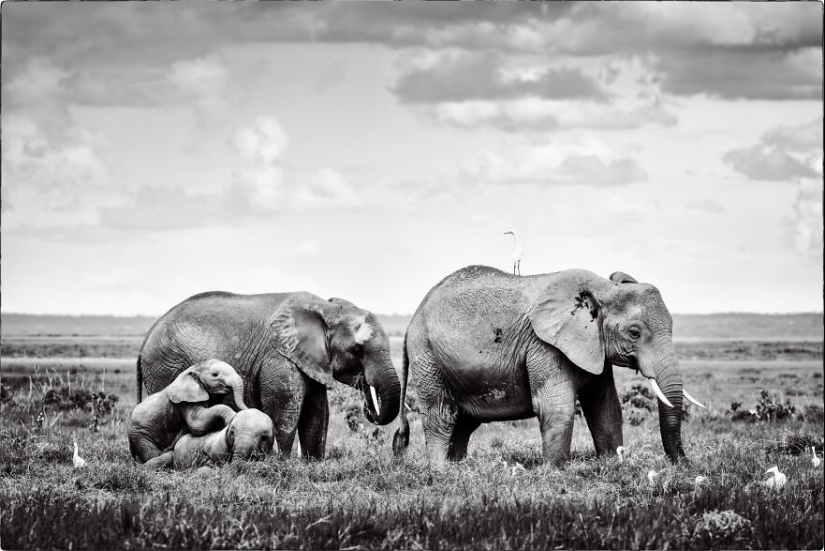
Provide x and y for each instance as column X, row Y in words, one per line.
column 635, row 332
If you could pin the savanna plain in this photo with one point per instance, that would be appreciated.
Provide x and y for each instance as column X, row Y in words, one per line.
column 761, row 378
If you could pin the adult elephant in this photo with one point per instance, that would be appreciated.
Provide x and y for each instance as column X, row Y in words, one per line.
column 485, row 345
column 288, row 348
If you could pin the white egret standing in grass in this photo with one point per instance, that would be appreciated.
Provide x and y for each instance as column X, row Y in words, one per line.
column 77, row 461
column 518, row 252
column 620, row 453
column 651, row 477
column 777, row 481
column 815, row 461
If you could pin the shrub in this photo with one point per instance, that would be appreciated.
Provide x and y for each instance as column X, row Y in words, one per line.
column 640, row 397
column 7, row 396
column 797, row 443
column 723, row 525
column 769, row 408
column 68, row 398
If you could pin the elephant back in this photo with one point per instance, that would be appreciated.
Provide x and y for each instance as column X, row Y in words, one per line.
column 225, row 326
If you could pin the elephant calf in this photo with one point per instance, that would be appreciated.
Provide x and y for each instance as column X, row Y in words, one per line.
column 249, row 436
column 183, row 407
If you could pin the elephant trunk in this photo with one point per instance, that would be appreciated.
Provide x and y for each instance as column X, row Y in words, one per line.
column 382, row 393
column 668, row 379
column 237, row 392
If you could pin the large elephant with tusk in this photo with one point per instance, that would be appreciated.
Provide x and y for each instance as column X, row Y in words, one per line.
column 485, row 346
column 288, row 348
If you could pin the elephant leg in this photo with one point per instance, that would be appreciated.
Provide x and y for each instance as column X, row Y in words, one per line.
column 464, row 427
column 282, row 394
column 142, row 448
column 439, row 421
column 555, row 408
column 162, row 461
column 603, row 411
column 313, row 422
column 553, row 388
column 438, row 409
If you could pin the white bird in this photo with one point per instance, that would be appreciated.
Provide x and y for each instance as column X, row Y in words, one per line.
column 777, row 481
column 699, row 479
column 620, row 453
column 518, row 252
column 77, row 461
column 815, row 461
column 651, row 476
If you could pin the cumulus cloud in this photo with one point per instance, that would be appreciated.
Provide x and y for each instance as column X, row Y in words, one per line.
column 43, row 172
column 588, row 162
column 783, row 153
column 261, row 187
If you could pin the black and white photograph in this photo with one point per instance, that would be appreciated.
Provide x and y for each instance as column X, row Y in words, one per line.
column 411, row 275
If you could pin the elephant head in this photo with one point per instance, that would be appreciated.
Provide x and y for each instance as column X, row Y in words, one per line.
column 593, row 320
column 250, row 435
column 200, row 380
column 334, row 339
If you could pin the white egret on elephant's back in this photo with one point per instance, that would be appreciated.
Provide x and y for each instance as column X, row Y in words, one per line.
column 518, row 252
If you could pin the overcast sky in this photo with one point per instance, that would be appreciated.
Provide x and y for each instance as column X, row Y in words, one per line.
column 151, row 151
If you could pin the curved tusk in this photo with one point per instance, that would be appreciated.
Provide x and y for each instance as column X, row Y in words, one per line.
column 374, row 396
column 691, row 399
column 659, row 393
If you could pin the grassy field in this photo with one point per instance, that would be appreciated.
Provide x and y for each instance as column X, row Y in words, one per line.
column 502, row 496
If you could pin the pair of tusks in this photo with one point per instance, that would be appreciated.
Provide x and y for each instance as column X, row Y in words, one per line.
column 374, row 396
column 661, row 395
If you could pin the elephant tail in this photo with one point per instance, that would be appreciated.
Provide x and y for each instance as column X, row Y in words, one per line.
column 401, row 438
column 139, row 380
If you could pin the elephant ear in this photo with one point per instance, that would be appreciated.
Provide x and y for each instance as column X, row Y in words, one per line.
column 299, row 331
column 566, row 315
column 621, row 277
column 186, row 388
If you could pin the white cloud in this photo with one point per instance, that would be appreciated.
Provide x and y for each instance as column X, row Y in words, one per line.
column 264, row 142
column 51, row 175
column 589, row 162
column 271, row 188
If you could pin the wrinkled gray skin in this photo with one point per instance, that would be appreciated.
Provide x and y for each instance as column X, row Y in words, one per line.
column 184, row 405
column 287, row 347
column 249, row 437
column 485, row 345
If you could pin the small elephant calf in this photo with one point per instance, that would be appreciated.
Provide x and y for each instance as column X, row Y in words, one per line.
column 249, row 436
column 182, row 407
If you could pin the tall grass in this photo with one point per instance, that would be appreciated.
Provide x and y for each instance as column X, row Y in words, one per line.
column 501, row 497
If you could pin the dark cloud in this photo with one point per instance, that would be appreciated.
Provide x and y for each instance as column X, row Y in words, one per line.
column 479, row 76
column 783, row 153
column 740, row 73
column 767, row 163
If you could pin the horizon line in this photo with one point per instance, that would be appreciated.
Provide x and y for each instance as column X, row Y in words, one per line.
column 718, row 313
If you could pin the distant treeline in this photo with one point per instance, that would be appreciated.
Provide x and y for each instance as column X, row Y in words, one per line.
column 807, row 326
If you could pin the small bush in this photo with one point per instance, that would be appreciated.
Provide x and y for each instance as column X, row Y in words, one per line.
column 640, row 397
column 798, row 443
column 7, row 396
column 727, row 526
column 68, row 398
